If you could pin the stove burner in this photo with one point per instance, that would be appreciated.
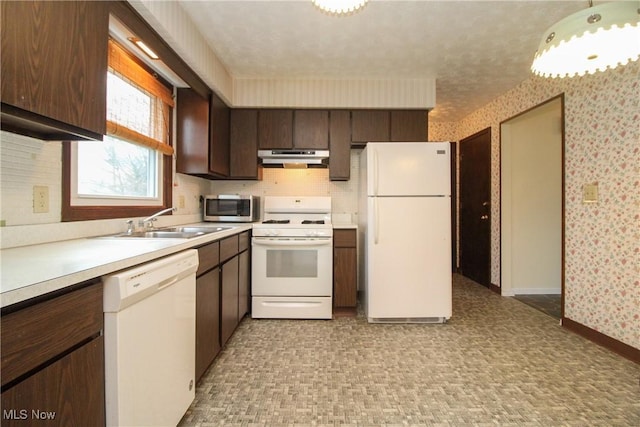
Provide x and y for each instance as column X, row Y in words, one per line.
column 276, row 221
column 317, row 221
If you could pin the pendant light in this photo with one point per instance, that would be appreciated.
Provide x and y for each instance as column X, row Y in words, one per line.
column 339, row 7
column 595, row 39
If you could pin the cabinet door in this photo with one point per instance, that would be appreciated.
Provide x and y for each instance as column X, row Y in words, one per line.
column 339, row 145
column 192, row 133
column 344, row 279
column 219, row 142
column 68, row 392
column 243, row 161
column 275, row 129
column 54, row 64
column 243, row 284
column 344, row 270
column 311, row 129
column 369, row 125
column 409, row 125
column 207, row 320
column 229, row 306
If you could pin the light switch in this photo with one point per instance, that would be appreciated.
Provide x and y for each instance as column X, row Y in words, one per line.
column 590, row 193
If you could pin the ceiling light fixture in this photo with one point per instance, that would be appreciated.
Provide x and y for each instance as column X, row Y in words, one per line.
column 339, row 7
column 591, row 40
column 143, row 47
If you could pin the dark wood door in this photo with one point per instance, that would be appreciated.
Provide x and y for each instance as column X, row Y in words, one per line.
column 311, row 129
column 207, row 320
column 475, row 207
column 339, row 145
column 219, row 143
column 192, row 133
column 275, row 129
column 369, row 125
column 243, row 160
column 408, row 125
column 54, row 64
column 229, row 303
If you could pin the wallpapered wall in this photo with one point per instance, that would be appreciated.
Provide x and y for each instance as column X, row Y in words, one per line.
column 602, row 144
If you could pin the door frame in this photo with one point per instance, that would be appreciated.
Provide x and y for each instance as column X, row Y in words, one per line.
column 563, row 201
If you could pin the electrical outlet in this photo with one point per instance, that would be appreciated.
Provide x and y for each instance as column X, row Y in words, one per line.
column 590, row 193
column 40, row 199
column 181, row 202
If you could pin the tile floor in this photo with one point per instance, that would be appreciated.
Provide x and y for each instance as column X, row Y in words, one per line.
column 497, row 362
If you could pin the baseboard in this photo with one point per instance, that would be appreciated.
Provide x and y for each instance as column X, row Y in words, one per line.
column 536, row 291
column 495, row 288
column 624, row 350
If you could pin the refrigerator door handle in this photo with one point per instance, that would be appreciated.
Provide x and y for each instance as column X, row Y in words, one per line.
column 376, row 221
column 375, row 172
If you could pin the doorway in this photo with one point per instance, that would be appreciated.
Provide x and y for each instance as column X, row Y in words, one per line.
column 532, row 192
column 475, row 207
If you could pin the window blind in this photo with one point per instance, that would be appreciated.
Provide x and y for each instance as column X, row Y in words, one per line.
column 138, row 106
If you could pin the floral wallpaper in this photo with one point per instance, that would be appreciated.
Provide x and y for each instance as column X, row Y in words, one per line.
column 602, row 145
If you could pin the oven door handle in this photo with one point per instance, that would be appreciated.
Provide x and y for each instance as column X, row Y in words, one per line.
column 319, row 242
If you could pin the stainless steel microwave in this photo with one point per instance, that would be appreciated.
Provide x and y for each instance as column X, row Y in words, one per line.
column 231, row 208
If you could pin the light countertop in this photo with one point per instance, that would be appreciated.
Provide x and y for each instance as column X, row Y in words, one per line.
column 31, row 271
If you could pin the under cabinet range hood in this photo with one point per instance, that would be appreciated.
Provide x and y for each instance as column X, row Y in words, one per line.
column 294, row 158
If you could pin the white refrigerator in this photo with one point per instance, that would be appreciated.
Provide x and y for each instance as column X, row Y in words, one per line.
column 405, row 231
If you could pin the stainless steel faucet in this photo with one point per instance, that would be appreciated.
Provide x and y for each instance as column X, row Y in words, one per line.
column 148, row 222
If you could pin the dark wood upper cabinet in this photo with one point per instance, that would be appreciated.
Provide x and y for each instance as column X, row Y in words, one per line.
column 339, row 145
column 369, row 125
column 54, row 68
column 202, row 134
column 219, row 143
column 275, row 129
column 409, row 125
column 311, row 129
column 192, row 133
column 243, row 160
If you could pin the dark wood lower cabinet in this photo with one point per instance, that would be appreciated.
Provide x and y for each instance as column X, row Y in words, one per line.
column 345, row 266
column 69, row 392
column 222, row 295
column 244, row 292
column 53, row 360
column 229, row 309
column 207, row 320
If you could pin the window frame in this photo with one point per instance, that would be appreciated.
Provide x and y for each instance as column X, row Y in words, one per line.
column 84, row 213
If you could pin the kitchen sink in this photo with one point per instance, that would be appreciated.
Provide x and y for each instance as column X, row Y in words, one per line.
column 173, row 232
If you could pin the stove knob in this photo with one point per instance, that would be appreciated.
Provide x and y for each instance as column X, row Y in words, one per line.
column 312, row 233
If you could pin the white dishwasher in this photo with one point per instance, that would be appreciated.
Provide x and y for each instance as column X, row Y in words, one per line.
column 149, row 337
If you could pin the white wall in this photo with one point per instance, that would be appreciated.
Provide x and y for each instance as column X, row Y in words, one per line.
column 531, row 191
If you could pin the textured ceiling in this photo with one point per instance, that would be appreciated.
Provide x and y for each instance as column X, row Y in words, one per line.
column 476, row 50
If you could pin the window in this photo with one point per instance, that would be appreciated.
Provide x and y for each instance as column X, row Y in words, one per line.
column 125, row 173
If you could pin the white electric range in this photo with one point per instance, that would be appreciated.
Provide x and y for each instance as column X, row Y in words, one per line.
column 292, row 259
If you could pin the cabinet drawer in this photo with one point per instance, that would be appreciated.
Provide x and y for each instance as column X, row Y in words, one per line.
column 228, row 248
column 344, row 238
column 208, row 257
column 36, row 334
column 243, row 241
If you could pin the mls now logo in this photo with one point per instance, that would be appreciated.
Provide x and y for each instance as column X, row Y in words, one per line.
column 23, row 414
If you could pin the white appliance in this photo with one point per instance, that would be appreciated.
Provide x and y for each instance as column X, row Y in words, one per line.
column 149, row 336
column 405, row 230
column 292, row 259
